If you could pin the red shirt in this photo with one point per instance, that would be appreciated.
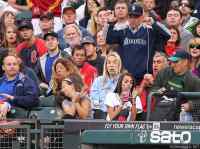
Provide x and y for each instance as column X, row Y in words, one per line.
column 89, row 73
column 39, row 43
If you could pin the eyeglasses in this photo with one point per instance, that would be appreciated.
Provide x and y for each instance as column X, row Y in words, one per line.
column 69, row 82
column 194, row 46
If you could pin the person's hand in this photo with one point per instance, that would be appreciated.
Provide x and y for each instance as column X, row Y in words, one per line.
column 118, row 108
column 7, row 96
column 148, row 80
column 148, row 21
column 69, row 91
column 186, row 106
column 44, row 86
column 4, row 108
column 68, row 107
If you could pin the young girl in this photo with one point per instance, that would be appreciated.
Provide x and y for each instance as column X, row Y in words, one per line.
column 121, row 104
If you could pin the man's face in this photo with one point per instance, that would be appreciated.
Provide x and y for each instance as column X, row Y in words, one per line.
column 121, row 11
column 79, row 57
column 159, row 62
column 51, row 43
column 135, row 21
column 26, row 33
column 90, row 49
column 148, row 4
column 69, row 16
column 72, row 37
column 46, row 24
column 173, row 18
column 184, row 7
column 180, row 66
column 11, row 66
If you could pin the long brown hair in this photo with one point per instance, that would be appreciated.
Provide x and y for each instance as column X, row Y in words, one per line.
column 69, row 66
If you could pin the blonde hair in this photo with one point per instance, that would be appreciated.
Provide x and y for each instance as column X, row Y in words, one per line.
column 116, row 55
column 69, row 66
column 194, row 41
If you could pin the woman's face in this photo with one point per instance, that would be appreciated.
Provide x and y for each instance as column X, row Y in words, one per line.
column 112, row 65
column 174, row 35
column 198, row 30
column 127, row 83
column 195, row 50
column 9, row 20
column 61, row 71
column 100, row 39
column 91, row 5
column 11, row 35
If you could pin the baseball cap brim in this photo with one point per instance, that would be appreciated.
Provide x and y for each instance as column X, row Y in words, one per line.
column 174, row 59
column 69, row 8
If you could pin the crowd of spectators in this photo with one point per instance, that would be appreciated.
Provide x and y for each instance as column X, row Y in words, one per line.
column 99, row 59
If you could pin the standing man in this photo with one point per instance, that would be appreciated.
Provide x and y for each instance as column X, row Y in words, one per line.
column 138, row 42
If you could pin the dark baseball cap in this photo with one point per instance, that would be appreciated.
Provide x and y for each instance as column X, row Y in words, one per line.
column 135, row 10
column 53, row 34
column 88, row 39
column 47, row 15
column 179, row 55
column 67, row 7
column 25, row 24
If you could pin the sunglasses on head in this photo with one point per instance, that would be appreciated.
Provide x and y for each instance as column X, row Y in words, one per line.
column 194, row 46
column 69, row 82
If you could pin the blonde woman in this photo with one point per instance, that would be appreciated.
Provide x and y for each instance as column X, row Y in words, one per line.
column 194, row 50
column 104, row 84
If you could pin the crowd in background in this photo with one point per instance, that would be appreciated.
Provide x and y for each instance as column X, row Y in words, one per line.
column 99, row 59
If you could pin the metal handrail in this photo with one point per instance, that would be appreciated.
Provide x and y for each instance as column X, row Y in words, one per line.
column 185, row 94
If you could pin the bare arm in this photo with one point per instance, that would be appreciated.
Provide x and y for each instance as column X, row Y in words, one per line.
column 83, row 108
column 113, row 111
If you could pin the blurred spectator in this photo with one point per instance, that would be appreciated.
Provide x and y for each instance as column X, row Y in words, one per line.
column 174, row 19
column 69, row 17
column 61, row 69
column 85, row 9
column 89, row 20
column 11, row 38
column 141, row 38
column 194, row 50
column 102, row 47
column 196, row 31
column 121, row 104
column 174, row 79
column 174, row 42
column 72, row 38
column 121, row 14
column 102, row 18
column 47, row 60
column 46, row 24
column 32, row 47
column 16, row 89
column 196, row 9
column 12, row 5
column 93, row 58
column 71, row 103
column 159, row 63
column 38, row 7
column 104, row 84
column 188, row 21
column 7, row 18
column 87, row 71
column 162, row 7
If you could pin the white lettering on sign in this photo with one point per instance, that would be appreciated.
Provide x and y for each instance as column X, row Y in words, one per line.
column 168, row 137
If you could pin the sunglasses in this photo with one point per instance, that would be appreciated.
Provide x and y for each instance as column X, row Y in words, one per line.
column 194, row 46
column 69, row 82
